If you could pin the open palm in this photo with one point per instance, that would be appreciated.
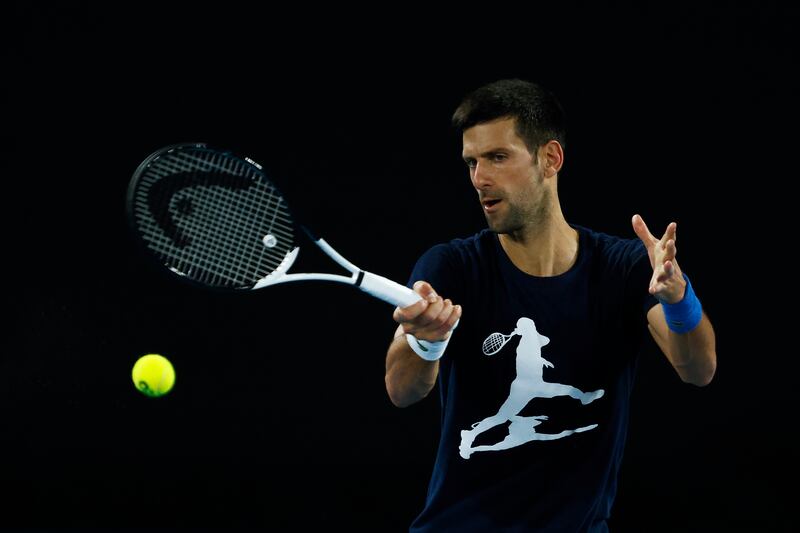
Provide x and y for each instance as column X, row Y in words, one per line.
column 667, row 283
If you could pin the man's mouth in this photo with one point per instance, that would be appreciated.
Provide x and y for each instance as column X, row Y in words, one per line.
column 490, row 204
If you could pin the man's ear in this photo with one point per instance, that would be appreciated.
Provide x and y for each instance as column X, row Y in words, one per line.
column 552, row 157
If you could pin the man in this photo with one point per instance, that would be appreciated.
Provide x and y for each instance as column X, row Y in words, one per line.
column 517, row 451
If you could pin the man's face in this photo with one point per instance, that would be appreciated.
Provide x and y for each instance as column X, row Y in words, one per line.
column 508, row 180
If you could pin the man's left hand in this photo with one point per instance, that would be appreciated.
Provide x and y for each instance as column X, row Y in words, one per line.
column 667, row 283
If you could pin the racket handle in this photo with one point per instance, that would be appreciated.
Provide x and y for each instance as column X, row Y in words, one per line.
column 387, row 290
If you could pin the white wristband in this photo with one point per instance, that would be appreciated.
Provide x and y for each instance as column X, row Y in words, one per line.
column 430, row 351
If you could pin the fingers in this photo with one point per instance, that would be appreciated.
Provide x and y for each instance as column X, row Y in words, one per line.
column 669, row 234
column 424, row 289
column 669, row 269
column 642, row 232
column 448, row 318
column 431, row 318
column 664, row 273
column 435, row 321
column 669, row 250
column 666, row 279
column 668, row 247
column 405, row 314
column 666, row 282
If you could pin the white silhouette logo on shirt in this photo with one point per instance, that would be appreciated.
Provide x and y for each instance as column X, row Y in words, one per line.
column 528, row 384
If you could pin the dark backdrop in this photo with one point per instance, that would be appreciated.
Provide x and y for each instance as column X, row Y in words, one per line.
column 683, row 114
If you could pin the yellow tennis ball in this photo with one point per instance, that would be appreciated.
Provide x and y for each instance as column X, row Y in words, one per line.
column 153, row 375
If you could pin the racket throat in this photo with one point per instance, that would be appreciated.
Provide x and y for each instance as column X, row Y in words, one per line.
column 277, row 275
column 359, row 278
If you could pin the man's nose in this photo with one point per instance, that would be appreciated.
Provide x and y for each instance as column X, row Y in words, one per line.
column 481, row 177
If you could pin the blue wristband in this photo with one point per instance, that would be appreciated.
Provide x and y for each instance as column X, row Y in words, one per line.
column 684, row 316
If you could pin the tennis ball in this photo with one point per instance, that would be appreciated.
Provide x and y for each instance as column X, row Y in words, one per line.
column 153, row 375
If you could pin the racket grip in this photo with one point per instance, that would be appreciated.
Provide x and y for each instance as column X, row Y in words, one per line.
column 387, row 290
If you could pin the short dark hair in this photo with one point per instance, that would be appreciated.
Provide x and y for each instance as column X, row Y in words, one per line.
column 538, row 114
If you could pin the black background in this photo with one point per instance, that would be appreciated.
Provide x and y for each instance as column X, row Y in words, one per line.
column 279, row 418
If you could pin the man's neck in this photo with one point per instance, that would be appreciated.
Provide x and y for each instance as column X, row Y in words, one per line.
column 546, row 250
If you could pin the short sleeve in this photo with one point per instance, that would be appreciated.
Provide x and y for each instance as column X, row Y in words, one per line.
column 439, row 267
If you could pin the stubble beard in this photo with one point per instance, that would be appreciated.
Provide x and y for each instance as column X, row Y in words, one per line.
column 522, row 216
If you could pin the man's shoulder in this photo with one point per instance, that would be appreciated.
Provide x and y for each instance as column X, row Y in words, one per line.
column 612, row 248
column 477, row 241
column 461, row 254
column 466, row 248
column 454, row 265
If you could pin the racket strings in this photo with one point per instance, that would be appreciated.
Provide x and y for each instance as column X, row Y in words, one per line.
column 208, row 264
column 216, row 229
column 234, row 217
column 494, row 342
column 223, row 215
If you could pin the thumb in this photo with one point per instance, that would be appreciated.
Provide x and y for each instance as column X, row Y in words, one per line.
column 424, row 289
column 641, row 230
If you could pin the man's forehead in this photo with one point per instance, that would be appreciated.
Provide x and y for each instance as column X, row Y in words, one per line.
column 488, row 136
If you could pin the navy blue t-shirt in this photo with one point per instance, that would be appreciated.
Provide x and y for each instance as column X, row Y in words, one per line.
column 533, row 433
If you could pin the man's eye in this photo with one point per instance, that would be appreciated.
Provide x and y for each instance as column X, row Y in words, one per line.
column 499, row 157
column 470, row 163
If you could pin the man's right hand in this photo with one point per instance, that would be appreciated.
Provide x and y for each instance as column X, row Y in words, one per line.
column 432, row 318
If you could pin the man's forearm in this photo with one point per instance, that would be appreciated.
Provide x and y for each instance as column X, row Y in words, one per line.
column 409, row 378
column 693, row 354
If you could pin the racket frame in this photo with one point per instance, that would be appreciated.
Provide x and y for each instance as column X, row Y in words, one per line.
column 373, row 284
column 506, row 338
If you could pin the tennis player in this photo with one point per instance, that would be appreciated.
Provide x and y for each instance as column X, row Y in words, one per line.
column 533, row 429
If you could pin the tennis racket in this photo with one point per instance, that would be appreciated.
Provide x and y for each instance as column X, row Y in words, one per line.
column 495, row 342
column 215, row 218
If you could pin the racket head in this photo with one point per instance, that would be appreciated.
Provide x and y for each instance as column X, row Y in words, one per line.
column 210, row 216
column 494, row 343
